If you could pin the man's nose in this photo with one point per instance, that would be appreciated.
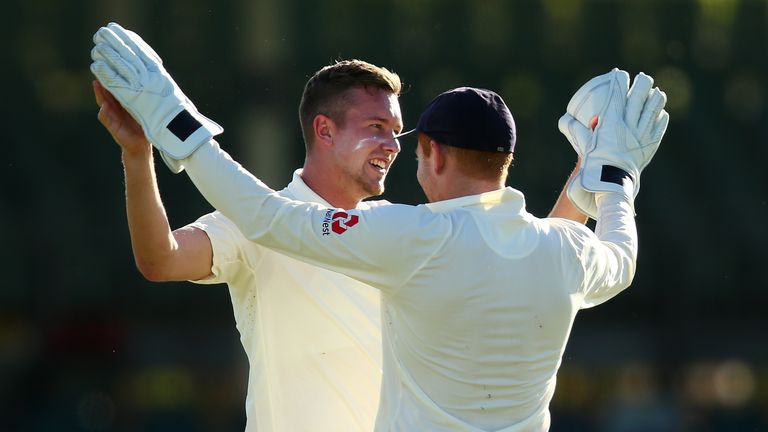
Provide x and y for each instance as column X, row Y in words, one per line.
column 391, row 144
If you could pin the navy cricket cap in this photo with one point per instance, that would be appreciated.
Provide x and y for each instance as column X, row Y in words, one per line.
column 470, row 118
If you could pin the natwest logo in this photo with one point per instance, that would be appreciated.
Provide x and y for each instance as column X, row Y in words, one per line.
column 343, row 221
column 339, row 222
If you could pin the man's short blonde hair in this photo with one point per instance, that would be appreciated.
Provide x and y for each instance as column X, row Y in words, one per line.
column 327, row 91
column 479, row 164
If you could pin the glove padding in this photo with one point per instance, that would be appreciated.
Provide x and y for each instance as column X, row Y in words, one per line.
column 131, row 70
column 629, row 130
column 581, row 117
column 627, row 135
column 590, row 100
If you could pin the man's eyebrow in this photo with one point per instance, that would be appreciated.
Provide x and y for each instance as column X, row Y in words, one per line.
column 379, row 119
column 383, row 120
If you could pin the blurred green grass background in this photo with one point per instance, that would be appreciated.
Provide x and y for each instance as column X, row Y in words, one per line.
column 87, row 345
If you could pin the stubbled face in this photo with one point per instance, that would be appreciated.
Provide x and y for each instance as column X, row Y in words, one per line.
column 364, row 145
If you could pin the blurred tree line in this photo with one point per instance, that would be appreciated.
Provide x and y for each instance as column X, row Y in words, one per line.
column 87, row 344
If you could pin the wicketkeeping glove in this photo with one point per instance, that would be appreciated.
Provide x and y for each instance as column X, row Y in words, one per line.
column 627, row 136
column 591, row 99
column 579, row 136
column 581, row 117
column 131, row 70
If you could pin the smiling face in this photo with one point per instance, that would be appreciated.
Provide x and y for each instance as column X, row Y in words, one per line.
column 364, row 144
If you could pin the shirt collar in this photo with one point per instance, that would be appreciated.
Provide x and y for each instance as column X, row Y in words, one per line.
column 507, row 196
column 298, row 190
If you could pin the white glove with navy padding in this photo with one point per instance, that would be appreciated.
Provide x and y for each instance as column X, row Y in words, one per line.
column 628, row 128
column 131, row 70
column 577, row 124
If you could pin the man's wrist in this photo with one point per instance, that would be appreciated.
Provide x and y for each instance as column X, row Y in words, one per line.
column 137, row 155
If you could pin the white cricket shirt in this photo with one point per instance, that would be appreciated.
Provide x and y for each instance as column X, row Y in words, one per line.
column 312, row 336
column 478, row 295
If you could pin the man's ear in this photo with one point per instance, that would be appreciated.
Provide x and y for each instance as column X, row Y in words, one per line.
column 438, row 154
column 324, row 129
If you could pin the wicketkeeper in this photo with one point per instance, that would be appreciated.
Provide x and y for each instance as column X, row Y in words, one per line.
column 478, row 295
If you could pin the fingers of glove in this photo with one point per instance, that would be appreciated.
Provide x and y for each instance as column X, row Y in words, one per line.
column 104, row 36
column 660, row 126
column 621, row 78
column 147, row 55
column 146, row 48
column 107, row 36
column 657, row 99
column 651, row 144
column 105, row 54
column 636, row 98
column 577, row 134
column 590, row 99
column 107, row 76
column 614, row 110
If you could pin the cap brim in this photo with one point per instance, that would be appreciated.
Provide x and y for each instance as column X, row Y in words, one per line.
column 402, row 134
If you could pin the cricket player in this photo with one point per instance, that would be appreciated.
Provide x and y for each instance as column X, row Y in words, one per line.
column 478, row 295
column 312, row 336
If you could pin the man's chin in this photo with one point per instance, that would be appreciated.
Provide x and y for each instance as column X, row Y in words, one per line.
column 372, row 187
column 375, row 190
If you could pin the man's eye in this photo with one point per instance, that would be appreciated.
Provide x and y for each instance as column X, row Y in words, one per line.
column 377, row 125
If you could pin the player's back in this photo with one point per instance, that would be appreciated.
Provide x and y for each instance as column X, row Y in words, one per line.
column 479, row 331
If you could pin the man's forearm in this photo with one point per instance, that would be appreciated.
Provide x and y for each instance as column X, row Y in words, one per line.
column 563, row 207
column 151, row 236
column 229, row 188
column 617, row 230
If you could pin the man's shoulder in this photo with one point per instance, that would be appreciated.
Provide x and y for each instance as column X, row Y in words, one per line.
column 374, row 203
column 568, row 233
column 215, row 224
column 563, row 225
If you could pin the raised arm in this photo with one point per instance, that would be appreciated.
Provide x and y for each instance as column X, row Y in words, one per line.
column 160, row 254
column 630, row 128
column 381, row 247
column 134, row 74
column 564, row 207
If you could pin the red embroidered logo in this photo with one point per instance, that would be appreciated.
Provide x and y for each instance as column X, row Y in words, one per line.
column 343, row 221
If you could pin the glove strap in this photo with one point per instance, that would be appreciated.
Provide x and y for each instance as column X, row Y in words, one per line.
column 183, row 125
column 183, row 134
column 612, row 179
column 612, row 174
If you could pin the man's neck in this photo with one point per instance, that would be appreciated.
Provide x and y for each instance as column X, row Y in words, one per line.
column 318, row 180
column 458, row 188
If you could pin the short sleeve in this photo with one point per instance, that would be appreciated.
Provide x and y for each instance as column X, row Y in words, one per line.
column 228, row 247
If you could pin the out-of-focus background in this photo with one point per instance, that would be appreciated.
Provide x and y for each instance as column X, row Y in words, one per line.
column 87, row 345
